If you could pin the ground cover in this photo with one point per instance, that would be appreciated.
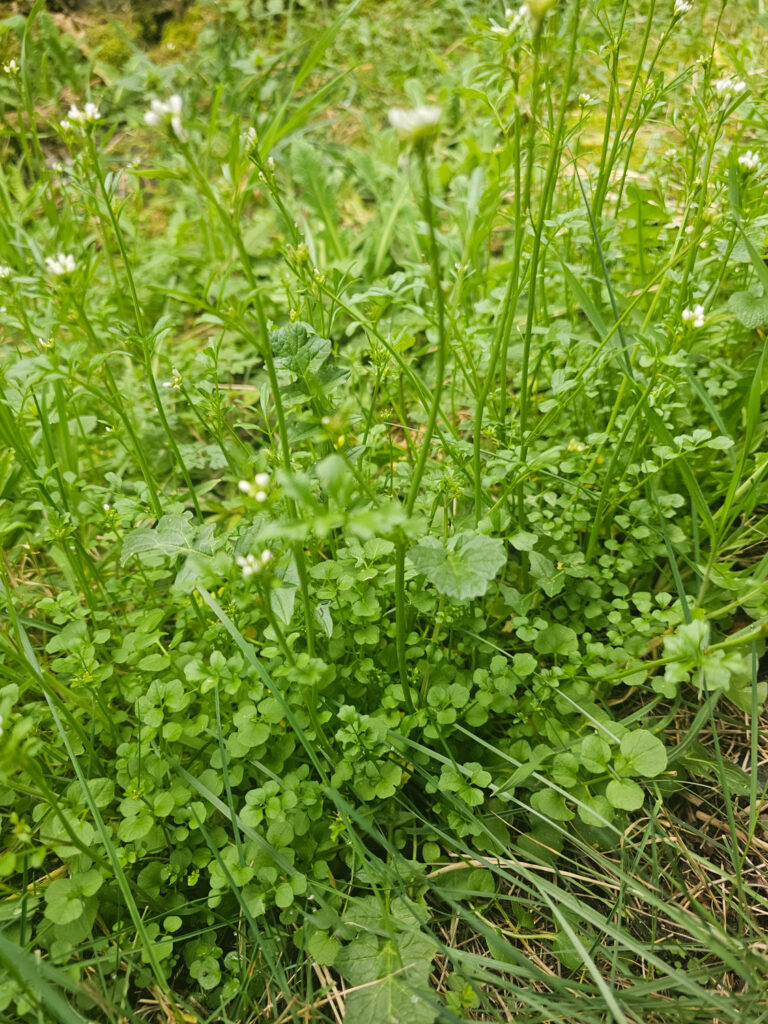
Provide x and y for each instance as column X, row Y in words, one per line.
column 383, row 506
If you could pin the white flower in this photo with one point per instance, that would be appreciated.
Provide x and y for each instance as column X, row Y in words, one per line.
column 749, row 161
column 12, row 67
column 260, row 496
column 418, row 123
column 249, row 138
column 5, row 272
column 728, row 87
column 584, row 98
column 244, row 486
column 694, row 317
column 262, row 480
column 249, row 565
column 175, row 382
column 168, row 112
column 61, row 264
column 88, row 115
column 683, row 7
column 252, row 565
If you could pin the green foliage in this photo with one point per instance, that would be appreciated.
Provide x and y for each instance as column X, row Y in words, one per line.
column 383, row 514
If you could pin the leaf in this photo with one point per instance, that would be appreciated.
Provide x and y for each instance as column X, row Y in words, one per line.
column 523, row 541
column 643, row 753
column 399, row 970
column 551, row 804
column 595, row 754
column 557, row 639
column 750, row 310
column 173, row 535
column 624, row 794
column 299, row 350
column 323, row 948
column 136, row 827
column 462, row 566
column 63, row 904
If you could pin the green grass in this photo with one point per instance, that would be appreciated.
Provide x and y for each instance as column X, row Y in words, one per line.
column 384, row 515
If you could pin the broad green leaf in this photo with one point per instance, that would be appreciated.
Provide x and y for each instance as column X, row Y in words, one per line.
column 595, row 811
column 63, row 903
column 750, row 310
column 594, row 754
column 557, row 639
column 395, row 980
column 323, row 948
column 643, row 754
column 624, row 794
column 523, row 541
column 462, row 566
column 551, row 804
column 173, row 535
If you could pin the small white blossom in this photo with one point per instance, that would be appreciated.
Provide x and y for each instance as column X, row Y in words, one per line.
column 728, row 87
column 88, row 115
column 266, row 556
column 167, row 112
column 584, row 98
column 262, row 480
column 61, row 264
column 249, row 138
column 244, row 486
column 11, row 68
column 249, row 565
column 175, row 381
column 415, row 124
column 260, row 496
column 683, row 7
column 694, row 317
column 749, row 161
column 5, row 272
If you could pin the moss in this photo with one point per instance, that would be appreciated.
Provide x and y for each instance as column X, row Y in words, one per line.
column 180, row 35
column 111, row 40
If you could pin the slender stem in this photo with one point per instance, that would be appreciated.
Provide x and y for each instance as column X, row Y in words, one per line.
column 429, row 430
column 140, row 326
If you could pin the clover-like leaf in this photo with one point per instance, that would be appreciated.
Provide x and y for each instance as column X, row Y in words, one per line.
column 462, row 566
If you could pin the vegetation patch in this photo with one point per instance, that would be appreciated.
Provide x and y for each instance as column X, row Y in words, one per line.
column 383, row 503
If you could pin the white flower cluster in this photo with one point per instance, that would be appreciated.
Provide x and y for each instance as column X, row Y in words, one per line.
column 415, row 124
column 167, row 112
column 513, row 19
column 175, row 381
column 749, row 161
column 89, row 115
column 249, row 138
column 728, row 87
column 683, row 7
column 257, row 489
column 5, row 272
column 251, row 565
column 61, row 265
column 12, row 67
column 694, row 317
